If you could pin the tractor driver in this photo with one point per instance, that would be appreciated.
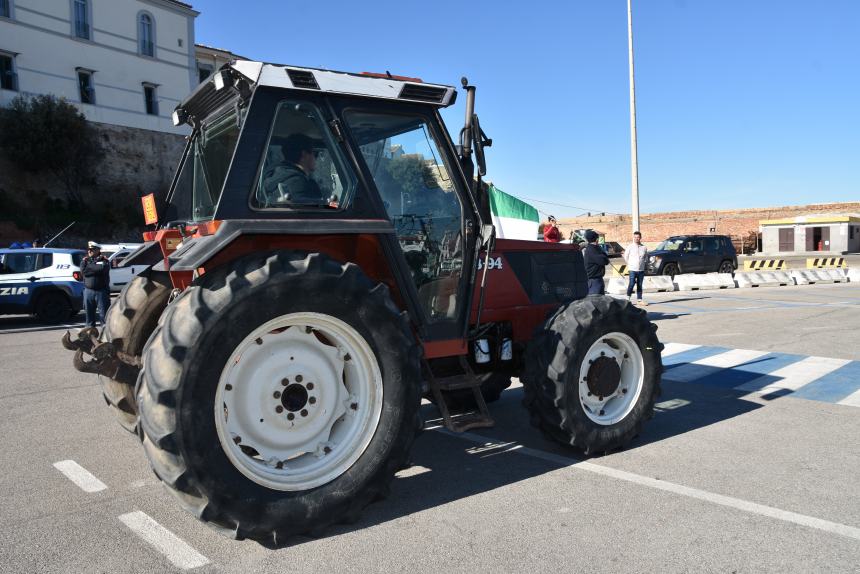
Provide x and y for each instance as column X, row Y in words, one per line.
column 290, row 181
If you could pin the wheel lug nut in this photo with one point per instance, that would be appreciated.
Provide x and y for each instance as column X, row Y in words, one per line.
column 601, row 412
column 602, row 354
column 589, row 394
column 298, row 378
column 624, row 391
column 228, row 387
column 304, row 412
column 327, row 449
column 290, row 416
column 312, row 400
column 277, row 394
column 237, row 439
column 354, row 406
column 259, row 341
column 599, row 398
column 285, row 381
column 310, row 386
column 279, row 409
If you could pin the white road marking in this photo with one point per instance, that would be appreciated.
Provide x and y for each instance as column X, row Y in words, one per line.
column 679, row 489
column 694, row 370
column 80, row 476
column 852, row 400
column 730, row 359
column 174, row 548
column 793, row 376
column 675, row 348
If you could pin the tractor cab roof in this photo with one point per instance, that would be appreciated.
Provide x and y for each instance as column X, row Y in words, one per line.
column 242, row 77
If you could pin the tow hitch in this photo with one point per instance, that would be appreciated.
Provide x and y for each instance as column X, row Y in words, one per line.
column 106, row 359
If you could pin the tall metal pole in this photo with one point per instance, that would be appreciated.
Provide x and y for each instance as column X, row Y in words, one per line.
column 634, row 161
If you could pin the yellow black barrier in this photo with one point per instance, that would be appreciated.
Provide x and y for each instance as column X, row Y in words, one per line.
column 825, row 262
column 764, row 265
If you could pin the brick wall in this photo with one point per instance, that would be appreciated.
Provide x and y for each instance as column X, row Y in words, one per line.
column 658, row 226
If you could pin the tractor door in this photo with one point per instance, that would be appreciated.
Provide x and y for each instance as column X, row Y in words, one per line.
column 407, row 159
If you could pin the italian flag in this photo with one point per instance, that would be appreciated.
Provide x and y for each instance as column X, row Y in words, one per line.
column 512, row 217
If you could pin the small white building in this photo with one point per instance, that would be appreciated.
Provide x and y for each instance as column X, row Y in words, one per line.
column 123, row 62
column 833, row 234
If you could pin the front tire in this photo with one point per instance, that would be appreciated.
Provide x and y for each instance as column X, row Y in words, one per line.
column 670, row 269
column 226, row 393
column 130, row 321
column 592, row 374
column 726, row 267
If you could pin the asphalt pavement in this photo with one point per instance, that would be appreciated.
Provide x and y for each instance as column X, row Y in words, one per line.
column 735, row 473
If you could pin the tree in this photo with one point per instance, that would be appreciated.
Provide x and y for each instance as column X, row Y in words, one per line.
column 46, row 133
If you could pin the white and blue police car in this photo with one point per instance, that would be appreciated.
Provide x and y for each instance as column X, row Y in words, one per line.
column 41, row 281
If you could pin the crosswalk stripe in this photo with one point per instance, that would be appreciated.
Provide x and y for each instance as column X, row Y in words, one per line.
column 675, row 348
column 688, row 372
column 793, row 376
column 852, row 400
column 179, row 552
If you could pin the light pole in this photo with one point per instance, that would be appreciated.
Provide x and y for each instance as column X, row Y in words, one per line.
column 634, row 162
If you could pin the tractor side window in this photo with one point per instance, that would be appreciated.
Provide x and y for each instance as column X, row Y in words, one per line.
column 409, row 171
column 303, row 166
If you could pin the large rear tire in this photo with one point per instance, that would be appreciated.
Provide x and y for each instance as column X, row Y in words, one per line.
column 280, row 395
column 130, row 321
column 592, row 374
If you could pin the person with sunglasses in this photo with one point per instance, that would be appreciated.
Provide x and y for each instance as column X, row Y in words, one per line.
column 291, row 181
column 96, row 271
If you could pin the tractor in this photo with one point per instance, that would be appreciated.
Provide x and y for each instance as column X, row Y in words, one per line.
column 323, row 260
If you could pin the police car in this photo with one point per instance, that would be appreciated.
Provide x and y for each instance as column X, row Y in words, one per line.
column 44, row 282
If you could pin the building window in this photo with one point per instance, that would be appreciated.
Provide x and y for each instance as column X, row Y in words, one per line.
column 81, row 18
column 8, row 77
column 146, row 34
column 150, row 98
column 5, row 8
column 203, row 72
column 85, row 87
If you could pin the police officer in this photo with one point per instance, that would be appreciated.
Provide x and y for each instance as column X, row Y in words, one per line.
column 595, row 264
column 96, row 270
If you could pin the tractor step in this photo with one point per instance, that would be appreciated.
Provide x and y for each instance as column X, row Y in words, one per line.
column 461, row 422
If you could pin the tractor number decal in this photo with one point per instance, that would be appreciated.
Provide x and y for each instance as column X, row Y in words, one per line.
column 493, row 263
column 14, row 291
column 62, row 266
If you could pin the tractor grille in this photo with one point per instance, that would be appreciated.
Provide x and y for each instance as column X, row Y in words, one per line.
column 303, row 79
column 423, row 93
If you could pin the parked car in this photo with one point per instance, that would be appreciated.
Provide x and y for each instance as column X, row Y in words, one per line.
column 693, row 254
column 119, row 276
column 41, row 281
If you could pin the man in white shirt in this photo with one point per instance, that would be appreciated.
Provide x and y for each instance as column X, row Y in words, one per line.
column 636, row 256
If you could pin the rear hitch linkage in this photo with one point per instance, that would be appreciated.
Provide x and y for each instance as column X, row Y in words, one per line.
column 106, row 359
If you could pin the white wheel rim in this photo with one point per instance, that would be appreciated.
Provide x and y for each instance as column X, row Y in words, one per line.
column 620, row 400
column 304, row 391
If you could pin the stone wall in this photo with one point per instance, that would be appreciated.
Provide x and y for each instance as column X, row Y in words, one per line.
column 736, row 223
column 136, row 162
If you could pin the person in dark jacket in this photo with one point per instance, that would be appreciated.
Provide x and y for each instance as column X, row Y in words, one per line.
column 96, row 270
column 595, row 264
column 290, row 182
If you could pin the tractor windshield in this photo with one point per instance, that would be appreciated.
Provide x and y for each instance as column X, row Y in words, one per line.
column 202, row 174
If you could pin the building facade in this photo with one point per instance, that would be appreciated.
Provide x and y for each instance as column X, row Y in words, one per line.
column 122, row 62
column 210, row 59
column 812, row 234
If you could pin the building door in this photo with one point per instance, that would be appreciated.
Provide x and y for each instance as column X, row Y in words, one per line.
column 825, row 239
column 786, row 239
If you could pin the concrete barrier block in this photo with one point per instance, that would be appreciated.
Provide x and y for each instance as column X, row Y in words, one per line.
column 836, row 275
column 616, row 285
column 687, row 282
column 783, row 277
column 853, row 275
column 657, row 283
column 763, row 279
column 695, row 282
column 801, row 277
column 811, row 276
column 722, row 280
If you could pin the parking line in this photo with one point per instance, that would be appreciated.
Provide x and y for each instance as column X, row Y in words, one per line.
column 179, row 552
column 674, row 348
column 852, row 400
column 679, row 489
column 80, row 476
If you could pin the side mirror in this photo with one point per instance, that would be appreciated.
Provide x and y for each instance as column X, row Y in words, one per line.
column 480, row 141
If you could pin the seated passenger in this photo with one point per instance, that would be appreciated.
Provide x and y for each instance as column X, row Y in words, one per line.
column 290, row 181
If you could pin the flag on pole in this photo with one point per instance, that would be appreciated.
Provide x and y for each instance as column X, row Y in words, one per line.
column 512, row 217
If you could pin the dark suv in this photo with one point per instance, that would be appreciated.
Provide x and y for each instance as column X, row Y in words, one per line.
column 693, row 254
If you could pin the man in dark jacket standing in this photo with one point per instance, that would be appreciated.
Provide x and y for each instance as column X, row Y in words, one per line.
column 595, row 264
column 96, row 270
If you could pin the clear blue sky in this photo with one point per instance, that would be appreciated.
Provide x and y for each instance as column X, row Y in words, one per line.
column 741, row 103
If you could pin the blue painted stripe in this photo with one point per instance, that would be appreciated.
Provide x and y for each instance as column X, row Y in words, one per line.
column 749, row 371
column 832, row 387
column 692, row 355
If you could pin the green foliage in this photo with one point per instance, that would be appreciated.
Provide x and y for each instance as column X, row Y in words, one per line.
column 410, row 172
column 46, row 133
